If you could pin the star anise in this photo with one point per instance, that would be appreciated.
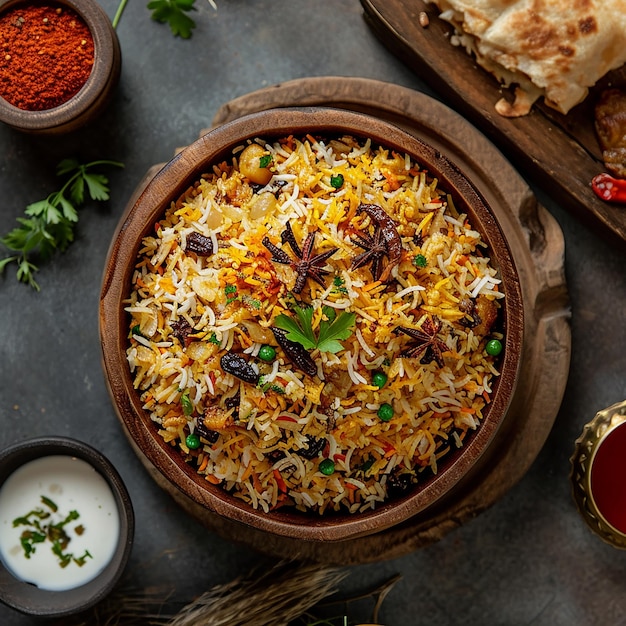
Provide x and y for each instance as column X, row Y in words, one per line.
column 427, row 343
column 375, row 251
column 385, row 242
column 308, row 265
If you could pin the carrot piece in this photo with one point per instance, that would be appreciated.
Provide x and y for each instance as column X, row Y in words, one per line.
column 257, row 483
column 247, row 472
column 279, row 481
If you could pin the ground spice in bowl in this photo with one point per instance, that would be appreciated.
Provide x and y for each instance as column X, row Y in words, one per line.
column 47, row 56
column 60, row 61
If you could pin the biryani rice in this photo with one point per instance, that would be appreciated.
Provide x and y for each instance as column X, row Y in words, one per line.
column 231, row 298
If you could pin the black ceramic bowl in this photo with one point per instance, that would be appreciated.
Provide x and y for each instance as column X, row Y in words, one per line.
column 32, row 600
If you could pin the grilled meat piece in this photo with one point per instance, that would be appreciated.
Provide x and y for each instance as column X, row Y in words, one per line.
column 610, row 122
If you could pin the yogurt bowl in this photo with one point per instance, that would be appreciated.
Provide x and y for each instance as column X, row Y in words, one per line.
column 66, row 526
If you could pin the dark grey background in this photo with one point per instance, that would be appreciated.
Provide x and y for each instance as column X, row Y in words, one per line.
column 528, row 560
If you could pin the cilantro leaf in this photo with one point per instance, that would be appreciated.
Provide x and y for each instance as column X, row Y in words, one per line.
column 25, row 271
column 332, row 329
column 45, row 209
column 77, row 190
column 186, row 403
column 66, row 166
column 337, row 327
column 173, row 12
column 69, row 212
column 63, row 234
column 97, row 185
column 4, row 262
column 305, row 321
column 49, row 225
column 299, row 329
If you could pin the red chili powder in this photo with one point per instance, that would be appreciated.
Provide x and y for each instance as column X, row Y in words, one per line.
column 46, row 55
column 608, row 478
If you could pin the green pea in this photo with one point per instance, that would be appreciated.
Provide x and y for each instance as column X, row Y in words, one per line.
column 327, row 466
column 385, row 412
column 420, row 261
column 493, row 347
column 193, row 441
column 267, row 353
column 379, row 379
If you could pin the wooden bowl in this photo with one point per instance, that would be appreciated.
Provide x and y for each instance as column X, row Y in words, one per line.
column 94, row 95
column 26, row 597
column 166, row 186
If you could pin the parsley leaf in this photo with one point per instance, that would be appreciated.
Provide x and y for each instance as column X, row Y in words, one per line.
column 338, row 327
column 173, row 12
column 265, row 160
column 49, row 225
column 332, row 328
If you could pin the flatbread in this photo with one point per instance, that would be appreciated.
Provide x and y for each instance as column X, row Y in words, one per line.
column 551, row 48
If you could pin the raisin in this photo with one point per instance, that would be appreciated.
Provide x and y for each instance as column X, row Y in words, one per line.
column 236, row 365
column 275, row 455
column 315, row 446
column 471, row 318
column 233, row 402
column 206, row 433
column 399, row 483
column 201, row 245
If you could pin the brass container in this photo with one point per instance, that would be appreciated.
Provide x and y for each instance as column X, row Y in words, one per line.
column 596, row 435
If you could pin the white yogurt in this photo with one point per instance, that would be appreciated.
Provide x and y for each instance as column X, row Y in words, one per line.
column 71, row 484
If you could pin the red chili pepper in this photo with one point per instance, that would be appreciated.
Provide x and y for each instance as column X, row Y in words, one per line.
column 608, row 188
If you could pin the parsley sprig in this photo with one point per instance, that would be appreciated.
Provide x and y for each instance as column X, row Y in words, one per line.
column 49, row 224
column 332, row 328
column 170, row 11
column 174, row 13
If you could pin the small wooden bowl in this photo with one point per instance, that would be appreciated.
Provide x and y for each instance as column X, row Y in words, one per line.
column 166, row 186
column 95, row 94
column 32, row 600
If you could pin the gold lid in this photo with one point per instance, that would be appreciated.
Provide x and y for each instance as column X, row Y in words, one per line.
column 594, row 434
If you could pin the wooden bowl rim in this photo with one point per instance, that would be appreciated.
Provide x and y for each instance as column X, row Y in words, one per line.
column 167, row 185
column 106, row 56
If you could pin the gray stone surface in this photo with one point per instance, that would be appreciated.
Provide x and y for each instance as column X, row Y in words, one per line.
column 529, row 559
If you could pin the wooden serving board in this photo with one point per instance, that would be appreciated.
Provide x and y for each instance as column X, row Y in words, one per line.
column 537, row 245
column 559, row 153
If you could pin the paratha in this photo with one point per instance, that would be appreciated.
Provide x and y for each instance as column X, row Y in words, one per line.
column 551, row 48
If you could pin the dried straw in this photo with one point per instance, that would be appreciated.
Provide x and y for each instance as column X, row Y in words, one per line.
column 275, row 596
